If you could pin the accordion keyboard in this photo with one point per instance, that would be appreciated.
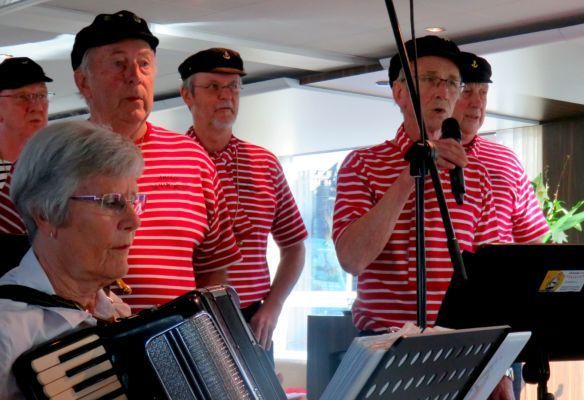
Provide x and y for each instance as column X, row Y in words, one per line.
column 79, row 371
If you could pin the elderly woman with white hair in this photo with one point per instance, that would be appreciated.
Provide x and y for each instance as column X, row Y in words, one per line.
column 75, row 187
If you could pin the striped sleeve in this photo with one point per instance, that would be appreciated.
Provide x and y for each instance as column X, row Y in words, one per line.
column 529, row 223
column 10, row 220
column 354, row 196
column 287, row 228
column 219, row 249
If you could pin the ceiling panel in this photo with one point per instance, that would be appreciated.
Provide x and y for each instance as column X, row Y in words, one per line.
column 304, row 38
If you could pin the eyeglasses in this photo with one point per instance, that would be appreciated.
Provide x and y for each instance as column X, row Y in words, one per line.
column 216, row 88
column 117, row 202
column 452, row 85
column 30, row 97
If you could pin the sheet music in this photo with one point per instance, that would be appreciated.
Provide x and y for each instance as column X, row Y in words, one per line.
column 495, row 369
column 360, row 361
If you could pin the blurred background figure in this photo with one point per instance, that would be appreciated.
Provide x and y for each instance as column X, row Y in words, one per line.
column 24, row 105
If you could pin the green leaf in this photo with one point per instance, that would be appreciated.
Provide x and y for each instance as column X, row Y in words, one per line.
column 558, row 217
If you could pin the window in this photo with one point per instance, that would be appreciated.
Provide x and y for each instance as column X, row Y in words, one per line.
column 323, row 288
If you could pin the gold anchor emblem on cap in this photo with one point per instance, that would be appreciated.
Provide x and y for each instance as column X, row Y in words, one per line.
column 474, row 64
column 226, row 55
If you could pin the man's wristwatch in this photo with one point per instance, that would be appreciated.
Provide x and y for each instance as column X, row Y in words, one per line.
column 510, row 374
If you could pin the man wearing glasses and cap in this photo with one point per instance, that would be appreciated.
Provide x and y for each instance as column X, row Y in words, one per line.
column 374, row 219
column 23, row 107
column 185, row 228
column 259, row 199
column 519, row 217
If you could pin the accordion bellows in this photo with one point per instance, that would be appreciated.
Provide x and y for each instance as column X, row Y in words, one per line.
column 195, row 347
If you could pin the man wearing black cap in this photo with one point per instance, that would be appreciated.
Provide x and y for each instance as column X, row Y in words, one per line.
column 186, row 226
column 259, row 199
column 374, row 219
column 519, row 216
column 23, row 107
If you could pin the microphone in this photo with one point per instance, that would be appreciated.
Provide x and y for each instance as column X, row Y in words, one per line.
column 451, row 129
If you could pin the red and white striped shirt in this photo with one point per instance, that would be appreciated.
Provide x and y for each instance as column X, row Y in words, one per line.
column 185, row 225
column 5, row 167
column 386, row 290
column 10, row 221
column 260, row 202
column 519, row 216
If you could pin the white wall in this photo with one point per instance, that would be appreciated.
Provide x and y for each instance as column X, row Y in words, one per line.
column 291, row 119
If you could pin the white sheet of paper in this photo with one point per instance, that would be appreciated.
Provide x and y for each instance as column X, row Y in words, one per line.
column 497, row 365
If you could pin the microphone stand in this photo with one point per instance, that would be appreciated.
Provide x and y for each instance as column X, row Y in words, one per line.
column 422, row 158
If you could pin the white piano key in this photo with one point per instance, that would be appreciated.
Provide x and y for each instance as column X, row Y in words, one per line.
column 58, row 371
column 52, row 359
column 101, row 388
column 66, row 382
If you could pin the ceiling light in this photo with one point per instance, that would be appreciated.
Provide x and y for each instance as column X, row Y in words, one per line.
column 435, row 29
column 382, row 83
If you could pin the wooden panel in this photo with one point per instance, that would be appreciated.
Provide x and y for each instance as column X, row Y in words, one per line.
column 566, row 382
column 560, row 140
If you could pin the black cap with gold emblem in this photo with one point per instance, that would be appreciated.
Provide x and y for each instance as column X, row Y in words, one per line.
column 111, row 28
column 217, row 60
column 429, row 45
column 475, row 69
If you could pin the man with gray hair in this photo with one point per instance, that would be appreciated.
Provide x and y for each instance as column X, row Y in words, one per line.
column 23, row 107
column 258, row 196
column 185, row 233
column 519, row 217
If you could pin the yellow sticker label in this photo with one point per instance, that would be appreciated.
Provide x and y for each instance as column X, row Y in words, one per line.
column 562, row 281
column 552, row 282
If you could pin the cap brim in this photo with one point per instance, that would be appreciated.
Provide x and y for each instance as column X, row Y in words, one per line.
column 18, row 84
column 224, row 70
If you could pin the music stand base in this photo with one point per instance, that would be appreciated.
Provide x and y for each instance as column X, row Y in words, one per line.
column 537, row 371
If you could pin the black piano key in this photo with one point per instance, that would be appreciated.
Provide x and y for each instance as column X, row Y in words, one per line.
column 88, row 364
column 93, row 380
column 80, row 350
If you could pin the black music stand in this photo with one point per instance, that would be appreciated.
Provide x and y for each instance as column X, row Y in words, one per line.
column 433, row 366
column 533, row 288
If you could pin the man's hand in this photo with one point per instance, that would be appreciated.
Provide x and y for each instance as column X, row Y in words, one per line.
column 450, row 153
column 503, row 390
column 264, row 322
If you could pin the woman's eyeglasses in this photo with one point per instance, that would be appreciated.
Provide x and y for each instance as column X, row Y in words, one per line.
column 116, row 202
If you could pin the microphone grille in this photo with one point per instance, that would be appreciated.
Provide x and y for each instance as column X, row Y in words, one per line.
column 451, row 129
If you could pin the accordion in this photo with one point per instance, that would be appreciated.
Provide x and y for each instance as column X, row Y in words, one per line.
column 195, row 347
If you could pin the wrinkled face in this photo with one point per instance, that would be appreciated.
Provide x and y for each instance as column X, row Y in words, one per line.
column 213, row 99
column 437, row 95
column 22, row 116
column 93, row 244
column 470, row 109
column 118, row 83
